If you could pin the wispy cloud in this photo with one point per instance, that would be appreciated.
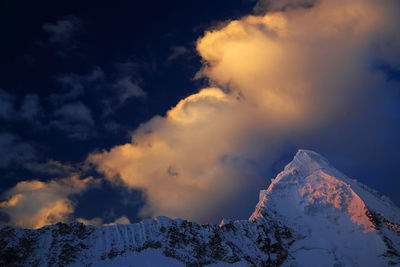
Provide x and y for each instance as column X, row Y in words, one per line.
column 263, row 6
column 178, row 51
column 62, row 32
column 126, row 89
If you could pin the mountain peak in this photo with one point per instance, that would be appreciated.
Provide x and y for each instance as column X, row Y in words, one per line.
column 311, row 185
column 312, row 197
column 306, row 162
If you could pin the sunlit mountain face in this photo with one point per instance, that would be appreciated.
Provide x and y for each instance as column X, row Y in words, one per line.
column 310, row 214
column 115, row 113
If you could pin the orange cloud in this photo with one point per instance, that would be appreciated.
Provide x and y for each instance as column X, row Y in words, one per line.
column 33, row 204
column 99, row 221
column 272, row 76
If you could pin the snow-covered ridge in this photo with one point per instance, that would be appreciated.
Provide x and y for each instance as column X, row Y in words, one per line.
column 311, row 213
column 179, row 242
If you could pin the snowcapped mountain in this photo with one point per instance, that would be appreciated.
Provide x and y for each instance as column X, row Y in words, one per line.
column 311, row 215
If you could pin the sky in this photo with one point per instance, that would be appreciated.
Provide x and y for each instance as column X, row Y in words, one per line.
column 116, row 112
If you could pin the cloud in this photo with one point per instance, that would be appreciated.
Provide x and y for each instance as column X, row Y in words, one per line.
column 63, row 31
column 54, row 168
column 33, row 204
column 274, row 80
column 19, row 153
column 99, row 221
column 177, row 51
column 75, row 119
column 111, row 93
column 186, row 163
column 75, row 112
column 74, row 85
column 126, row 89
column 15, row 151
column 121, row 91
column 6, row 105
column 263, row 6
column 30, row 108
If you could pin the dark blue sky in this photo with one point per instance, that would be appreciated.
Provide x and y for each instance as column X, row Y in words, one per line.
column 79, row 76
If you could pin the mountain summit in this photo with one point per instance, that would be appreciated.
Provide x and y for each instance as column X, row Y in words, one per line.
column 310, row 215
column 338, row 220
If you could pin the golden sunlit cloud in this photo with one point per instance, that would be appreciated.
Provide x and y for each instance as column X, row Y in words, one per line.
column 99, row 221
column 285, row 72
column 33, row 204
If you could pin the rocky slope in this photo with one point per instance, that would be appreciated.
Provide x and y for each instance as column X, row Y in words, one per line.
column 311, row 213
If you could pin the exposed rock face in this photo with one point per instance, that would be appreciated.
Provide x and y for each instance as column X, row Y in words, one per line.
column 311, row 213
column 260, row 243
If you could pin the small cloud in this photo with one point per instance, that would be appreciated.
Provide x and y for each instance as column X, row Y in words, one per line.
column 114, row 127
column 95, row 221
column 73, row 85
column 63, row 31
column 263, row 6
column 75, row 112
column 19, row 153
column 120, row 220
column 15, row 151
column 96, row 74
column 30, row 108
column 33, row 204
column 99, row 221
column 178, row 51
column 6, row 105
column 75, row 119
column 126, row 89
column 127, row 68
column 54, row 168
